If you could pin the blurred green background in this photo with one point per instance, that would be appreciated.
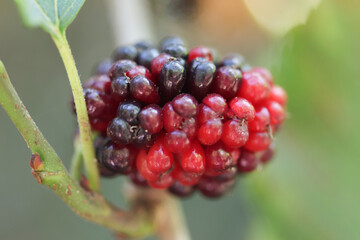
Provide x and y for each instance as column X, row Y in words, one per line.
column 309, row 191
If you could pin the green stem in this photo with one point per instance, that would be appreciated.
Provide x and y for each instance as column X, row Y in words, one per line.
column 82, row 115
column 50, row 171
column 16, row 110
column 77, row 160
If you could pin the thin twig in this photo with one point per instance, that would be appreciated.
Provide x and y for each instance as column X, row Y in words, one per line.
column 81, row 112
column 48, row 170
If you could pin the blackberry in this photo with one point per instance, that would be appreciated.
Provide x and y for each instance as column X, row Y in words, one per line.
column 103, row 67
column 232, row 60
column 172, row 79
column 138, row 179
column 129, row 111
column 120, row 131
column 142, row 89
column 200, row 77
column 120, row 86
column 145, row 57
column 168, row 41
column 118, row 158
column 142, row 138
column 119, row 68
column 143, row 45
column 180, row 121
column 181, row 190
column 125, row 52
column 94, row 102
column 132, row 124
column 176, row 50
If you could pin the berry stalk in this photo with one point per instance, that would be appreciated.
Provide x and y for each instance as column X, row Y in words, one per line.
column 82, row 114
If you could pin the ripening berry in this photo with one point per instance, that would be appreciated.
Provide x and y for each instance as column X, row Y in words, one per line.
column 217, row 103
column 158, row 63
column 163, row 182
column 218, row 159
column 211, row 188
column 181, row 190
column 185, row 105
column 120, row 67
column 151, row 119
column 227, row 82
column 177, row 141
column 247, row 162
column 139, row 70
column 185, row 178
column 144, row 90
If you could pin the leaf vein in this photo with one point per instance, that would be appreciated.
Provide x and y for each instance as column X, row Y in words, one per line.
column 68, row 9
column 56, row 13
column 43, row 11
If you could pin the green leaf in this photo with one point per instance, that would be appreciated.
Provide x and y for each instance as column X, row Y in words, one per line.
column 54, row 16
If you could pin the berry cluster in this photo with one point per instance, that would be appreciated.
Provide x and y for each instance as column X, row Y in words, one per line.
column 178, row 120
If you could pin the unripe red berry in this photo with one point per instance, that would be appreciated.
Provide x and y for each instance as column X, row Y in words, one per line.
column 254, row 88
column 258, row 141
column 235, row 134
column 200, row 52
column 193, row 160
column 140, row 70
column 142, row 167
column 278, row 94
column 265, row 74
column 277, row 112
column 157, row 63
column 261, row 121
column 210, row 132
column 159, row 158
column 205, row 114
column 243, row 109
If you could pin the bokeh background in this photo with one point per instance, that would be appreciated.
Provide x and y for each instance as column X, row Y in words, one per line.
column 309, row 191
